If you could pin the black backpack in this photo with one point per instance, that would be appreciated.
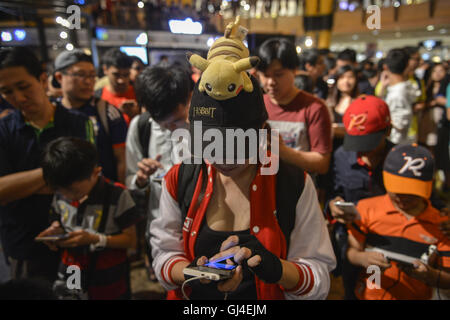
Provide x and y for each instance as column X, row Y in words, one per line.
column 144, row 132
column 141, row 197
column 290, row 184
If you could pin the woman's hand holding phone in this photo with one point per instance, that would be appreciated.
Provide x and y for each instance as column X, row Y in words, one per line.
column 249, row 252
column 228, row 285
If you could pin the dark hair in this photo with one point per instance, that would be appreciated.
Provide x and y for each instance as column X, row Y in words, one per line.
column 279, row 49
column 330, row 63
column 347, row 55
column 430, row 83
column 21, row 57
column 116, row 58
column 161, row 89
column 411, row 50
column 397, row 60
column 309, row 56
column 367, row 62
column 380, row 65
column 369, row 73
column 335, row 94
column 137, row 59
column 67, row 160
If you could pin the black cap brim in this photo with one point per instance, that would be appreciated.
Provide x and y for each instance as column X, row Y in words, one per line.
column 55, row 82
column 364, row 143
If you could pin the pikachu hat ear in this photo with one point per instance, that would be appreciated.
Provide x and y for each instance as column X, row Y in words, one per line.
column 197, row 61
column 245, row 64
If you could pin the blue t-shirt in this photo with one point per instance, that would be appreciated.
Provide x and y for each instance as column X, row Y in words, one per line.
column 21, row 148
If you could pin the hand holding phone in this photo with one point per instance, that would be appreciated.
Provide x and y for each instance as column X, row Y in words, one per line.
column 213, row 270
column 54, row 237
column 349, row 209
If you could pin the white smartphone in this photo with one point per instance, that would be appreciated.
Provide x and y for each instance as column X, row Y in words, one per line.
column 348, row 208
column 394, row 256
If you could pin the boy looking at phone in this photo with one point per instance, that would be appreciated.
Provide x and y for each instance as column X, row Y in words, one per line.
column 401, row 221
column 96, row 215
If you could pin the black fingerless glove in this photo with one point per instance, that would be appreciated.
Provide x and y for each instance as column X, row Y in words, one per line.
column 192, row 264
column 269, row 269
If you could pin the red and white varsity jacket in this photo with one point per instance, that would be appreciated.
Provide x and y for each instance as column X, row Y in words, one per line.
column 310, row 247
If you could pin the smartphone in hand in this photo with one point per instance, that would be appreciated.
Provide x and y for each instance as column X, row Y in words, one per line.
column 53, row 237
column 349, row 208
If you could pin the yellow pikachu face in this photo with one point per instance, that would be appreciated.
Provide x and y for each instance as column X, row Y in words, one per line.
column 221, row 81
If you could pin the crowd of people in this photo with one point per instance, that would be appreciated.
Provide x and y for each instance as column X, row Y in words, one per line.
column 90, row 173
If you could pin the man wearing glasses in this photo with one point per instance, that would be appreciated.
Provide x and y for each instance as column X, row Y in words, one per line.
column 75, row 72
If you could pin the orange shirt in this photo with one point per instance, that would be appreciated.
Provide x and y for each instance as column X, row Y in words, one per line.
column 383, row 226
column 117, row 99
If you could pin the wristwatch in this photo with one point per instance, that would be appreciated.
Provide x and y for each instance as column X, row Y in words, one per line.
column 100, row 245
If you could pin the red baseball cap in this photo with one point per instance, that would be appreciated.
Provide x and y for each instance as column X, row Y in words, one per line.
column 366, row 121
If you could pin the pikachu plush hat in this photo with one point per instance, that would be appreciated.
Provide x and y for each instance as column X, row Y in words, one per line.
column 224, row 71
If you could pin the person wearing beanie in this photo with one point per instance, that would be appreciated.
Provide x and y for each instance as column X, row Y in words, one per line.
column 75, row 73
column 401, row 222
column 227, row 206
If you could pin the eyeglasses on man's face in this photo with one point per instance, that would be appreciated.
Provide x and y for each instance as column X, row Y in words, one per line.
column 82, row 76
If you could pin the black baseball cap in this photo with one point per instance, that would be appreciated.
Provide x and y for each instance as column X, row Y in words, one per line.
column 68, row 58
column 409, row 169
column 244, row 111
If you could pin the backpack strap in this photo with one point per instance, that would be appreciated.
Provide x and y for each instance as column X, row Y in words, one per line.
column 290, row 185
column 144, row 131
column 98, row 93
column 101, row 229
column 187, row 180
column 102, row 109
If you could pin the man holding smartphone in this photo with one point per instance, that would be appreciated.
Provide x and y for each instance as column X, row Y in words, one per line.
column 75, row 72
column 119, row 92
column 357, row 169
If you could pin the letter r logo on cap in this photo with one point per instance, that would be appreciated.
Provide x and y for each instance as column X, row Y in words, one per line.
column 414, row 165
column 357, row 121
